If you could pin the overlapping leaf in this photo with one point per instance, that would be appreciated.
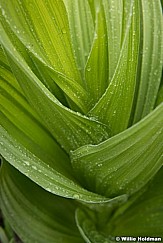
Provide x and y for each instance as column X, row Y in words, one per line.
column 43, row 28
column 123, row 163
column 34, row 214
column 81, row 29
column 48, row 44
column 40, row 172
column 86, row 222
column 28, row 145
column 115, row 105
column 100, row 58
column 96, row 70
column 116, row 29
column 70, row 129
column 144, row 216
column 26, row 125
column 139, row 216
column 150, row 58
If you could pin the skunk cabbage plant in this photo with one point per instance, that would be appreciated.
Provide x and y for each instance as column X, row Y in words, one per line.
column 81, row 118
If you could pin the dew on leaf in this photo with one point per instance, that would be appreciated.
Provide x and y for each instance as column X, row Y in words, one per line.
column 34, row 167
column 48, row 189
column 27, row 163
column 76, row 196
column 64, row 31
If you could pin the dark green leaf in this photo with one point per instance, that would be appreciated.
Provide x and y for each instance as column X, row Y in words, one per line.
column 144, row 216
column 86, row 224
column 34, row 214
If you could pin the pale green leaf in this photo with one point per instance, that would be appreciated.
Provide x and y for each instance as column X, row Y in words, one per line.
column 96, row 70
column 34, row 63
column 24, row 124
column 70, row 129
column 40, row 172
column 48, row 44
column 34, row 214
column 116, row 14
column 92, row 4
column 81, row 29
column 43, row 27
column 116, row 103
column 151, row 58
column 125, row 162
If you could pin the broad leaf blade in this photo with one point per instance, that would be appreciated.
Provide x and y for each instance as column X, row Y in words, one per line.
column 48, row 44
column 125, row 162
column 25, row 125
column 145, row 215
column 96, row 70
column 81, row 29
column 41, row 28
column 42, row 222
column 40, row 172
column 70, row 129
column 116, row 14
column 116, row 103
column 151, row 54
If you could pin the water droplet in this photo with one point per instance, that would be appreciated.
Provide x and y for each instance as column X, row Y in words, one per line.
column 76, row 196
column 99, row 165
column 27, row 163
column 34, row 167
column 3, row 12
column 64, row 31
column 95, row 36
column 48, row 189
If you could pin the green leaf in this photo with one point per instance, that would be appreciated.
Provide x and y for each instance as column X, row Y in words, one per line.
column 48, row 44
column 23, row 123
column 125, row 162
column 42, row 173
column 144, row 216
column 116, row 14
column 3, row 236
column 160, row 96
column 96, row 70
column 28, row 145
column 140, row 215
column 86, row 223
column 81, row 29
column 91, row 219
column 39, row 26
column 69, row 128
column 116, row 103
column 151, row 58
column 43, row 214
